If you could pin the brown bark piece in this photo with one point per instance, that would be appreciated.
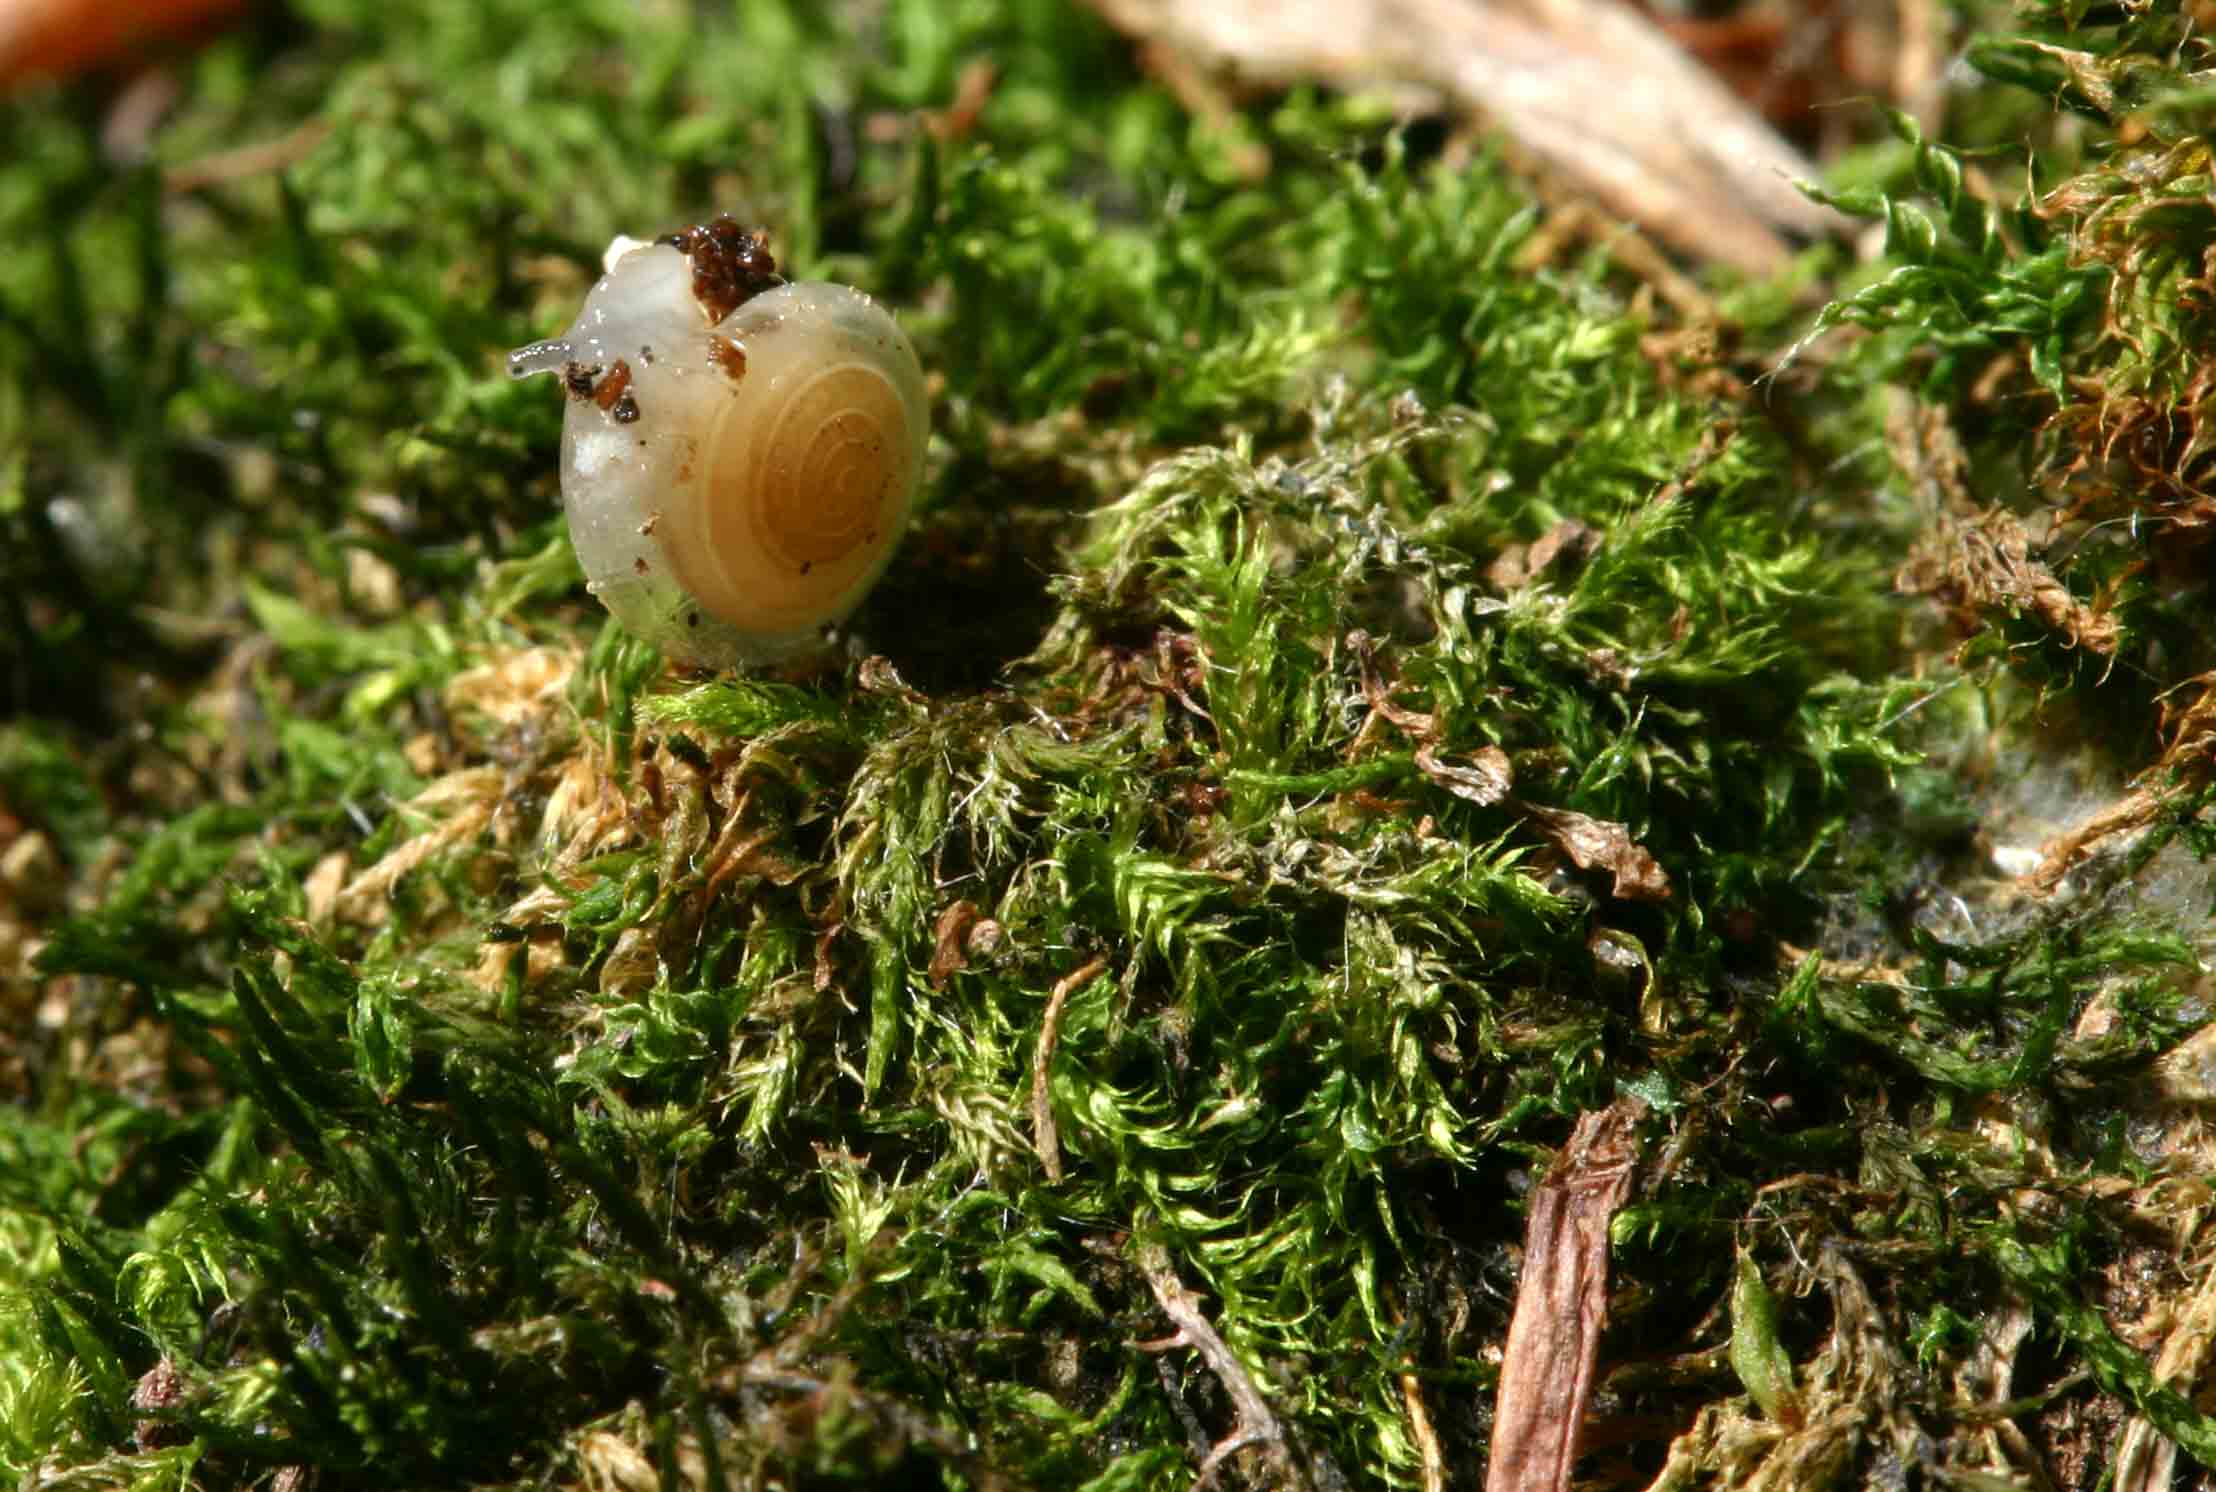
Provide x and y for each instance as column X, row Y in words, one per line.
column 1589, row 86
column 1546, row 1379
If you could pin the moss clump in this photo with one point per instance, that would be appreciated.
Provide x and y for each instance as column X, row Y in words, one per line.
column 1351, row 703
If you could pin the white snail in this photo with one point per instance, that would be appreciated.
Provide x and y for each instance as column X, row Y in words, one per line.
column 739, row 454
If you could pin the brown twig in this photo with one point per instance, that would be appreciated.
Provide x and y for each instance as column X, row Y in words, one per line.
column 1044, row 1136
column 240, row 162
column 1257, row 1425
column 1426, row 1438
column 973, row 90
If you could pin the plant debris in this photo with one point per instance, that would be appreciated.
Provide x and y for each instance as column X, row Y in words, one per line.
column 1547, row 1370
column 1365, row 691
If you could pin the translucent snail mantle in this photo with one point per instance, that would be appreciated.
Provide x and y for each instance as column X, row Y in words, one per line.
column 739, row 454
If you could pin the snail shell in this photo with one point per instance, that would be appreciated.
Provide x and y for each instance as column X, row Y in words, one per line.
column 739, row 454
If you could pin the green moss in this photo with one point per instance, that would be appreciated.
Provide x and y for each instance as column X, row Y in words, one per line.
column 1349, row 705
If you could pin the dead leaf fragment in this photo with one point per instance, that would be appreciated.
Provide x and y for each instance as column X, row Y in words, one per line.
column 323, row 885
column 1568, row 542
column 1983, row 564
column 1485, row 781
column 468, row 796
column 513, row 687
column 159, row 1390
column 949, row 950
column 1975, row 560
column 1546, row 1377
column 1602, row 844
column 613, row 1464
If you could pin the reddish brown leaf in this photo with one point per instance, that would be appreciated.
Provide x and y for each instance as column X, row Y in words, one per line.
column 1602, row 844
column 950, row 941
column 1546, row 1376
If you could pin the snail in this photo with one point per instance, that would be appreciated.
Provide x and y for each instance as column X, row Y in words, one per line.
column 740, row 453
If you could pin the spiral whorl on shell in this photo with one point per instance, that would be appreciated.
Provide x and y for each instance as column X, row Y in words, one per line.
column 740, row 454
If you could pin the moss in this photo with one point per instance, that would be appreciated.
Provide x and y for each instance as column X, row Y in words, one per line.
column 1354, row 699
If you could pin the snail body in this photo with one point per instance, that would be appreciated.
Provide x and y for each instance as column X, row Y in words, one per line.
column 739, row 454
